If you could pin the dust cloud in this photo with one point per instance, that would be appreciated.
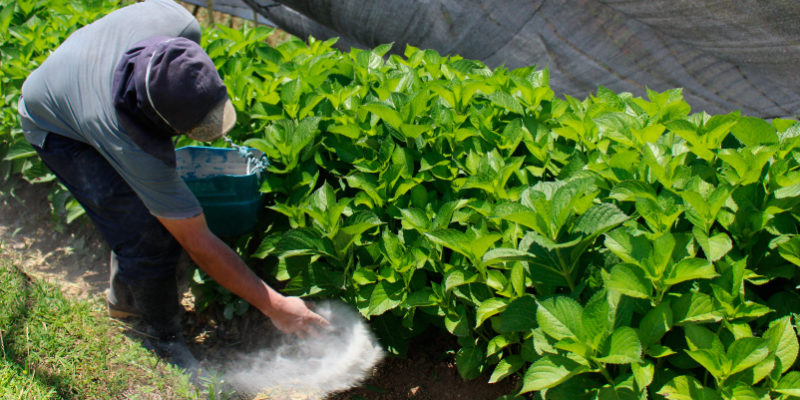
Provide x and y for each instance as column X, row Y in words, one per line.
column 339, row 358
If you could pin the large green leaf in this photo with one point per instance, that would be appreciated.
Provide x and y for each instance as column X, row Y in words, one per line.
column 712, row 361
column 789, row 384
column 550, row 371
column 695, row 307
column 629, row 280
column 519, row 316
column 782, row 341
column 714, row 247
column 560, row 318
column 501, row 255
column 745, row 353
column 687, row 388
column 452, row 239
column 386, row 113
column 384, row 297
column 690, row 269
column 600, row 218
column 304, row 241
column 753, row 131
column 469, row 361
column 623, row 347
column 506, row 367
column 655, row 324
column 489, row 308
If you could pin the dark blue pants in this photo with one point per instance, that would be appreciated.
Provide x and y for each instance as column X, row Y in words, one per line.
column 145, row 250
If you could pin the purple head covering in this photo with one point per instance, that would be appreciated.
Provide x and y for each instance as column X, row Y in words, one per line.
column 164, row 87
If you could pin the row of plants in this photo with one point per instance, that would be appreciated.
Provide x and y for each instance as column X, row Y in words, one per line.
column 607, row 247
column 29, row 30
column 610, row 247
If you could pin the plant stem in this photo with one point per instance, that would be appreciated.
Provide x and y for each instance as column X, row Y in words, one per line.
column 605, row 374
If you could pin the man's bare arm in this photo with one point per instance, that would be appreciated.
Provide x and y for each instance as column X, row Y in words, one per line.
column 221, row 263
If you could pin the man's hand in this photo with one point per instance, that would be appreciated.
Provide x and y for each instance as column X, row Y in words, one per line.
column 292, row 315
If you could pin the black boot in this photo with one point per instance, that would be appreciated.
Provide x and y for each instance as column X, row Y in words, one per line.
column 157, row 300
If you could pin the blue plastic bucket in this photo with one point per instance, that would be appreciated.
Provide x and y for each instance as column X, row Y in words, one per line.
column 226, row 182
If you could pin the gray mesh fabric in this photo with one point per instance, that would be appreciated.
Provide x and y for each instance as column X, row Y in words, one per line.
column 727, row 54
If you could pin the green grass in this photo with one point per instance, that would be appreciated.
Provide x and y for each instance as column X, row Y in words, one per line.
column 52, row 347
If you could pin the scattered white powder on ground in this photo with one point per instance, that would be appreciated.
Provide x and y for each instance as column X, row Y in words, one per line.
column 338, row 358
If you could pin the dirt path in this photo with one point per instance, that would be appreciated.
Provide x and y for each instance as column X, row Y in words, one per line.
column 75, row 258
column 72, row 256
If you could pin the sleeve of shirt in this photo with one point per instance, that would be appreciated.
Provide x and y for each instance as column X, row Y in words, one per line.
column 192, row 31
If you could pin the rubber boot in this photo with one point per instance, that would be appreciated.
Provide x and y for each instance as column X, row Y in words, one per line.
column 119, row 299
column 157, row 299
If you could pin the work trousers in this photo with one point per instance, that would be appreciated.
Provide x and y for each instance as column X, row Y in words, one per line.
column 144, row 249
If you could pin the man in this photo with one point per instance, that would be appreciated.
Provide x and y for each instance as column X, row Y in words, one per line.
column 102, row 112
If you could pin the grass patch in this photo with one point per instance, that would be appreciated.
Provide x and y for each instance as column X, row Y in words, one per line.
column 52, row 347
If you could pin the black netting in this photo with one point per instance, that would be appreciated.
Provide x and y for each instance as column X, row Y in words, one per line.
column 727, row 54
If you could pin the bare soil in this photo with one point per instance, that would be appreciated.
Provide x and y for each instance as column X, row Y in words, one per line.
column 76, row 259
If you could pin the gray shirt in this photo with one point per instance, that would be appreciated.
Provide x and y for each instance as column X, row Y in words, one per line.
column 70, row 94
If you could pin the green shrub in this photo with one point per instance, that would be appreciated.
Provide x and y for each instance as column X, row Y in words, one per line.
column 29, row 30
column 610, row 246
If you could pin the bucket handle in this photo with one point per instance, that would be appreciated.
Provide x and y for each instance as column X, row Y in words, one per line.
column 255, row 164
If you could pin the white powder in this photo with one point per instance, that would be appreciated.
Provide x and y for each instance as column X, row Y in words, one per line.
column 339, row 358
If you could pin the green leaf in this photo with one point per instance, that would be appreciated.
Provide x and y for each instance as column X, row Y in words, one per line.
column 386, row 113
column 623, row 347
column 5, row 17
column 655, row 324
column 690, row 269
column 452, row 239
column 412, row 131
column 629, row 280
column 714, row 247
column 752, row 131
column 550, row 371
column 469, row 361
column 361, row 222
column 384, row 297
column 599, row 317
column 522, row 215
column 631, row 190
column 643, row 373
column 20, row 149
column 456, row 322
column 291, row 91
column 600, row 218
column 699, row 337
column 695, row 307
column 414, row 218
column 710, row 360
column 489, row 308
column 479, row 245
column 304, row 241
column 506, row 101
column 349, row 131
column 506, row 367
column 560, row 318
column 500, row 255
column 457, row 277
column 745, row 353
column 687, row 388
column 789, row 384
column 782, row 341
column 520, row 316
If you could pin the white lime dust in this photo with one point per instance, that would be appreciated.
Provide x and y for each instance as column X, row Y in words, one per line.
column 339, row 358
